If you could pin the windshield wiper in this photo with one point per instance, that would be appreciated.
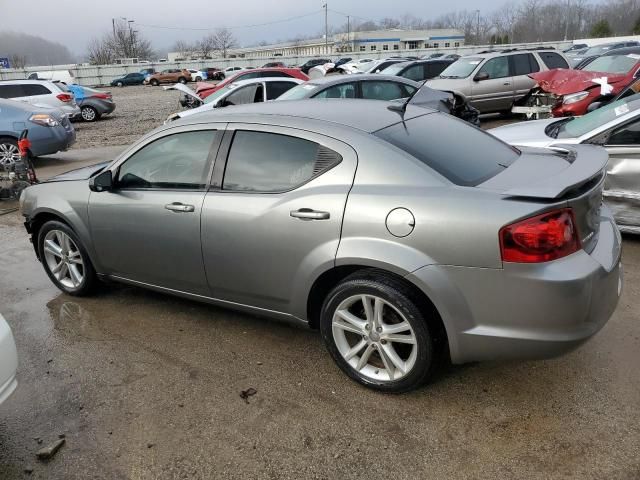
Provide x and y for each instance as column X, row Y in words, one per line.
column 554, row 129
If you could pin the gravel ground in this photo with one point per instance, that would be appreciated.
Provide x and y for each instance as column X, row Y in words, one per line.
column 140, row 109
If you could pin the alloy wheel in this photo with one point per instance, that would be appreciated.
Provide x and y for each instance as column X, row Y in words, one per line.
column 374, row 338
column 9, row 154
column 63, row 259
column 88, row 114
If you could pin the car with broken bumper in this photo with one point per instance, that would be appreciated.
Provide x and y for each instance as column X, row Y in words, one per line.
column 379, row 226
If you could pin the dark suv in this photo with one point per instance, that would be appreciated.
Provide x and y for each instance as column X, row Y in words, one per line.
column 314, row 62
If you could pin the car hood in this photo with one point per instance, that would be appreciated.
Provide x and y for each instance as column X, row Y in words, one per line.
column 531, row 133
column 83, row 173
column 450, row 84
column 184, row 89
column 562, row 81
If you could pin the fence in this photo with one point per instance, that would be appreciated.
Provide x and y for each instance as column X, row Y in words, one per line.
column 96, row 75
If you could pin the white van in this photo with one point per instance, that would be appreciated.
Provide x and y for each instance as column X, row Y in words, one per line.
column 64, row 76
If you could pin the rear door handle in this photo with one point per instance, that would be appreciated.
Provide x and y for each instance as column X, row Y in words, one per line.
column 309, row 214
column 507, row 83
column 179, row 207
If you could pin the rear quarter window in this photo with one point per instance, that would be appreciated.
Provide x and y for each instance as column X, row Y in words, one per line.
column 553, row 60
column 434, row 139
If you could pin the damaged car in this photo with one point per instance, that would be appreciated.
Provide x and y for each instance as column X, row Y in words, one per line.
column 567, row 93
column 616, row 127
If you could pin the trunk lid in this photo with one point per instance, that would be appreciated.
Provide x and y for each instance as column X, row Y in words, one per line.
column 573, row 174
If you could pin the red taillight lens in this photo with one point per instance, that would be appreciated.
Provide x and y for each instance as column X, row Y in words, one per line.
column 105, row 96
column 64, row 97
column 541, row 238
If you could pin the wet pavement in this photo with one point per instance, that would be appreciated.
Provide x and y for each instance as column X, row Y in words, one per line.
column 146, row 386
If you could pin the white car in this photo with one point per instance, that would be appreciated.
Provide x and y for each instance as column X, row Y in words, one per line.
column 197, row 75
column 40, row 93
column 231, row 71
column 8, row 361
column 254, row 90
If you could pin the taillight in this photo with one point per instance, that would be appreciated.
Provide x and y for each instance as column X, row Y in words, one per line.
column 541, row 238
column 105, row 96
column 64, row 97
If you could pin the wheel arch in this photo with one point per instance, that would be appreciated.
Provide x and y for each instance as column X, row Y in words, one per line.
column 332, row 277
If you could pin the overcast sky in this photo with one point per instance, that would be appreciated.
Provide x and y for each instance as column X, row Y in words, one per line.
column 73, row 22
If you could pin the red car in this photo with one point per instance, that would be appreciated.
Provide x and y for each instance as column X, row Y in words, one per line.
column 572, row 91
column 203, row 89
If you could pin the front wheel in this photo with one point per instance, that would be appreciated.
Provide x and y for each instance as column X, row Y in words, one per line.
column 154, row 82
column 119, row 84
column 65, row 260
column 376, row 333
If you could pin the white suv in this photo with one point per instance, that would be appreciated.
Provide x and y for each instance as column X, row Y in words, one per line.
column 8, row 361
column 40, row 93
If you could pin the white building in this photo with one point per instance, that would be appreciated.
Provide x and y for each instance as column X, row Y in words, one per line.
column 391, row 41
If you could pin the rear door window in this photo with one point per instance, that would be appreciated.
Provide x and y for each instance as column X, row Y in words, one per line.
column 382, row 90
column 553, row 60
column 472, row 162
column 524, row 64
column 345, row 90
column 268, row 162
column 433, row 69
column 275, row 89
column 415, row 72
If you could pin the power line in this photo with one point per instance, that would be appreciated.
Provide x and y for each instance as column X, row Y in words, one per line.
column 237, row 27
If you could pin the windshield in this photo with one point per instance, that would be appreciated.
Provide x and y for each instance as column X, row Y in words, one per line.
column 461, row 68
column 298, row 92
column 580, row 126
column 219, row 93
column 613, row 63
column 393, row 69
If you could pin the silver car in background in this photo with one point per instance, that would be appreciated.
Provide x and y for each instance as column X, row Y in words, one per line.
column 616, row 127
column 404, row 234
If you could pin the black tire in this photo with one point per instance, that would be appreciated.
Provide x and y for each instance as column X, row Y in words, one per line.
column 89, row 114
column 198, row 79
column 89, row 279
column 402, row 298
column 119, row 84
column 182, row 80
column 154, row 82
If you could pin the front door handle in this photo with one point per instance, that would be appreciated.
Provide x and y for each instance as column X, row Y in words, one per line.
column 309, row 214
column 179, row 207
column 507, row 83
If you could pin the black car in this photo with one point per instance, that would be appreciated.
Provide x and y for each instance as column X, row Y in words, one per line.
column 419, row 70
column 342, row 61
column 314, row 62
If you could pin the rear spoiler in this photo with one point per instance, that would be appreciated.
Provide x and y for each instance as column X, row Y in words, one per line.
column 585, row 164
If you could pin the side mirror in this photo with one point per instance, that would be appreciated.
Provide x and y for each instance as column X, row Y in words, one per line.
column 481, row 76
column 103, row 182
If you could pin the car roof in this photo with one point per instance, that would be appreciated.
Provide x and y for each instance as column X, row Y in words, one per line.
column 32, row 82
column 338, row 79
column 365, row 115
column 623, row 51
column 240, row 83
column 511, row 51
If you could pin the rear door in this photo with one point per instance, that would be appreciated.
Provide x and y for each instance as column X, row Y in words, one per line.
column 494, row 94
column 272, row 218
column 522, row 65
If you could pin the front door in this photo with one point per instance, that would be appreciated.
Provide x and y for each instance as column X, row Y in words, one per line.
column 147, row 228
column 273, row 220
column 494, row 94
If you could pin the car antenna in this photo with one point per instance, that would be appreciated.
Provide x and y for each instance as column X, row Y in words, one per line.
column 402, row 109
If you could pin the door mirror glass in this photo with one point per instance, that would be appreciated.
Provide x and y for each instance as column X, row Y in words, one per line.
column 481, row 76
column 103, row 182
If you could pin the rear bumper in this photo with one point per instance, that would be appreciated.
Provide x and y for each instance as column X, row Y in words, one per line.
column 527, row 311
column 47, row 140
column 8, row 361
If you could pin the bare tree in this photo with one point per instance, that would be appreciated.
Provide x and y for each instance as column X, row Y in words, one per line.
column 388, row 23
column 17, row 61
column 224, row 41
column 206, row 46
column 100, row 52
column 183, row 49
column 122, row 42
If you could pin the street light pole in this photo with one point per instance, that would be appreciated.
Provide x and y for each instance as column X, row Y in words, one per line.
column 478, row 28
column 326, row 29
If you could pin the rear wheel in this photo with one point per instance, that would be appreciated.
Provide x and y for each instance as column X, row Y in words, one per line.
column 65, row 260
column 375, row 332
column 182, row 80
column 89, row 114
column 154, row 82
column 9, row 153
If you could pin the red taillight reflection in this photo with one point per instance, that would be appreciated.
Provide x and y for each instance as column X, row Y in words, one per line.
column 541, row 238
column 64, row 97
column 105, row 96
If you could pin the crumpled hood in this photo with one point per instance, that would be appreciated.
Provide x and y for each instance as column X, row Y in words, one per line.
column 562, row 81
column 83, row 173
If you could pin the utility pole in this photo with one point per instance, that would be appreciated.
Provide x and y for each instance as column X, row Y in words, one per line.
column 326, row 29
column 349, row 32
column 566, row 24
column 113, row 24
column 478, row 28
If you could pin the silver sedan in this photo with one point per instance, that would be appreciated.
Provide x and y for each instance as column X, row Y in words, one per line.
column 616, row 127
column 406, row 236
